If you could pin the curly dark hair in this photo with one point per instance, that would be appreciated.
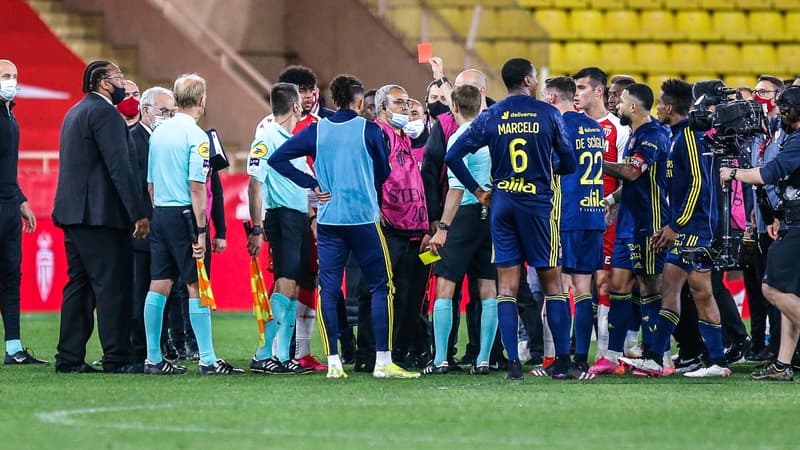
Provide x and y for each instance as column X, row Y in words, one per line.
column 345, row 89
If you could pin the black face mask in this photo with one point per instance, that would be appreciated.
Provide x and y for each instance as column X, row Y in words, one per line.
column 437, row 108
column 118, row 95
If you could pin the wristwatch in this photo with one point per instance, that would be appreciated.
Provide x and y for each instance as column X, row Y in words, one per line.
column 444, row 226
column 733, row 173
column 256, row 230
column 441, row 81
column 201, row 230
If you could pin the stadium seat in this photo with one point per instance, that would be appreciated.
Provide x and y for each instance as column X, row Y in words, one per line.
column 760, row 4
column 792, row 22
column 452, row 53
column 695, row 25
column 457, row 18
column 580, row 54
column 622, row 24
column 588, row 24
column 760, row 58
column 555, row 59
column 618, row 57
column 485, row 49
column 788, row 55
column 555, row 21
column 769, row 26
column 571, row 4
column 733, row 26
column 737, row 81
column 536, row 3
column 607, row 4
column 653, row 57
column 694, row 78
column 406, row 19
column 723, row 58
column 654, row 80
column 659, row 25
column 688, row 57
column 489, row 27
column 518, row 23
column 647, row 4
column 716, row 5
column 505, row 50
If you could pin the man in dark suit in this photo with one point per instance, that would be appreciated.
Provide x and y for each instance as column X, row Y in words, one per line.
column 98, row 201
column 157, row 105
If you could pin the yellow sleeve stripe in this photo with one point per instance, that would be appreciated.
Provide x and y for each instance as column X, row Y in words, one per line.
column 697, row 180
column 655, row 197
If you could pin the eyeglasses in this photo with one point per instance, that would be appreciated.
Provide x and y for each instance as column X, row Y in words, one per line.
column 163, row 112
column 762, row 92
column 401, row 102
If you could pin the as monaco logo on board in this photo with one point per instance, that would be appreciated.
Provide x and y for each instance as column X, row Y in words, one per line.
column 44, row 265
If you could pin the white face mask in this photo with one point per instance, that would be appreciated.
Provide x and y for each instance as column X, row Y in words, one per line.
column 414, row 128
column 158, row 121
column 8, row 90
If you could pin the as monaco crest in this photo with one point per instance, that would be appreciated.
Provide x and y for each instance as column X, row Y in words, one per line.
column 44, row 265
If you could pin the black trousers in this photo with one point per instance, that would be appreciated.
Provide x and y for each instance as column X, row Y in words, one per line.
column 100, row 271
column 733, row 329
column 687, row 333
column 358, row 292
column 10, row 260
column 760, row 308
column 141, row 285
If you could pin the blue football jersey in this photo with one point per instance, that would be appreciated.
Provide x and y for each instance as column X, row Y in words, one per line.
column 582, row 191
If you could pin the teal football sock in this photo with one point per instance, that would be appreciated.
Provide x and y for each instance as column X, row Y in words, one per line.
column 442, row 324
column 153, row 320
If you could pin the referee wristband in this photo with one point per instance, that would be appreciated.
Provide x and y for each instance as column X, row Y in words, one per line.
column 609, row 199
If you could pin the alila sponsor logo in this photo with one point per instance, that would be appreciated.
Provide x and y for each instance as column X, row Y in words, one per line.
column 515, row 184
column 593, row 200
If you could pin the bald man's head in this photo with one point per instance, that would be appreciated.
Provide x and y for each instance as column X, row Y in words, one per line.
column 473, row 77
column 8, row 70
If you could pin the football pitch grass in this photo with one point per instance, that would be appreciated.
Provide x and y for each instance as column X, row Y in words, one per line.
column 42, row 409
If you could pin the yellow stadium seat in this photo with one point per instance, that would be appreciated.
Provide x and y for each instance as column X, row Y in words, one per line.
column 505, row 50
column 760, row 58
column 622, row 24
column 733, row 26
column 457, row 18
column 737, row 81
column 760, row 4
column 792, row 33
column 647, row 4
column 654, row 80
column 406, row 19
column 716, row 5
column 580, row 54
column 555, row 21
column 607, row 4
column 659, row 25
column 588, row 24
column 653, row 57
column 536, row 3
column 723, row 58
column 489, row 27
column 518, row 23
column 769, row 26
column 787, row 5
column 571, row 4
column 788, row 57
column 688, row 57
column 618, row 57
column 696, row 25
column 452, row 53
column 555, row 60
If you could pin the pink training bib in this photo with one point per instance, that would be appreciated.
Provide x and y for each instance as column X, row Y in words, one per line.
column 403, row 205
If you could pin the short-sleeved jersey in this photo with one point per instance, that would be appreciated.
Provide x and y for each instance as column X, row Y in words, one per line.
column 692, row 194
column 645, row 199
column 582, row 205
column 278, row 191
column 616, row 136
column 179, row 151
column 478, row 163
column 524, row 136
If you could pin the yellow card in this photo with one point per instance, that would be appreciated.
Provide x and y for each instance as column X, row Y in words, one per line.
column 429, row 257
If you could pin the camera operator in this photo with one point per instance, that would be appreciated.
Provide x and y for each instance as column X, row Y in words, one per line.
column 763, row 149
column 781, row 285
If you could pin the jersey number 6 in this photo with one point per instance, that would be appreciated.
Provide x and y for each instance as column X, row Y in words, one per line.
column 519, row 158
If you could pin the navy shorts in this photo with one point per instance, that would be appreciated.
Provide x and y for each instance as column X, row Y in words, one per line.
column 684, row 241
column 621, row 256
column 171, row 245
column 288, row 233
column 643, row 260
column 582, row 251
column 781, row 271
column 521, row 235
column 468, row 248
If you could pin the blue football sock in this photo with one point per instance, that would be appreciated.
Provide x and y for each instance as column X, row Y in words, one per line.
column 559, row 320
column 712, row 338
column 153, row 320
column 666, row 322
column 636, row 312
column 200, row 317
column 488, row 328
column 508, row 320
column 619, row 316
column 382, row 316
column 13, row 346
column 286, row 322
column 651, row 305
column 584, row 320
column 442, row 324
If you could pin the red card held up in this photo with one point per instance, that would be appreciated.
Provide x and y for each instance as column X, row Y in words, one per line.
column 424, row 52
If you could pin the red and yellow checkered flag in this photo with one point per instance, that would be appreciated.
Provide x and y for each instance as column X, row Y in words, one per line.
column 261, row 308
column 204, row 286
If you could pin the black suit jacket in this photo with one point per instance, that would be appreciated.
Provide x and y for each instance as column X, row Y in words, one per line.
column 140, row 149
column 97, row 184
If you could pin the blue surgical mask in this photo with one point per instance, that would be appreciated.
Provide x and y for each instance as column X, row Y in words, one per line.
column 8, row 90
column 399, row 120
column 158, row 121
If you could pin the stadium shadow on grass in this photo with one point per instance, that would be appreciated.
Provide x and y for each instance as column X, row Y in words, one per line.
column 42, row 409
